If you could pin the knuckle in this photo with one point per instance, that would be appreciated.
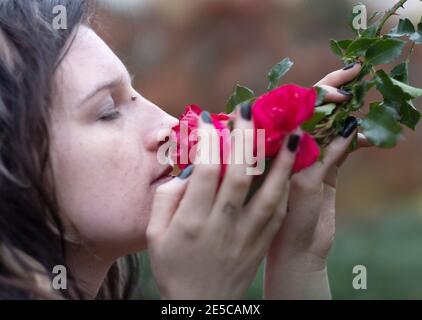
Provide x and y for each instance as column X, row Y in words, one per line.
column 208, row 171
column 268, row 206
column 190, row 229
column 231, row 255
column 239, row 180
column 309, row 186
column 151, row 234
column 236, row 254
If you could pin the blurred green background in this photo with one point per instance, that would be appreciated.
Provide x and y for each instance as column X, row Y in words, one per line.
column 196, row 51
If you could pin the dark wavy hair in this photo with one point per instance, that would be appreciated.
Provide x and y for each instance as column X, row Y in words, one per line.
column 32, row 237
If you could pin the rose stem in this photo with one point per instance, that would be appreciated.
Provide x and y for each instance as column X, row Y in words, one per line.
column 388, row 14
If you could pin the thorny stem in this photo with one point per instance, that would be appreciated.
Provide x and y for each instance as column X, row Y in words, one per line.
column 388, row 14
column 325, row 131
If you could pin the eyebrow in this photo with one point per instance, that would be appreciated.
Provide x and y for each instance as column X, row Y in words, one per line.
column 104, row 86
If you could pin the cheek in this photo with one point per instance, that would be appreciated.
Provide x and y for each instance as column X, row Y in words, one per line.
column 102, row 182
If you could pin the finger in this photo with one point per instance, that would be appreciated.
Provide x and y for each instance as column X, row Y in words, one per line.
column 267, row 198
column 338, row 147
column 237, row 180
column 274, row 224
column 326, row 224
column 200, row 193
column 336, row 95
column 363, row 142
column 166, row 201
column 340, row 77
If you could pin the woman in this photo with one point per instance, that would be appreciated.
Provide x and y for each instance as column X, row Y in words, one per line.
column 81, row 187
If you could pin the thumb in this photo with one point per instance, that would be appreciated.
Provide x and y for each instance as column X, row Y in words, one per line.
column 166, row 201
column 338, row 147
column 363, row 142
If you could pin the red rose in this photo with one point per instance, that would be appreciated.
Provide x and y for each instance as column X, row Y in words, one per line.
column 279, row 112
column 186, row 137
column 282, row 111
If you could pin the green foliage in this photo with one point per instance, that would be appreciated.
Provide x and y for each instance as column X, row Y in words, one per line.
column 321, row 93
column 240, row 94
column 384, row 51
column 404, row 28
column 384, row 123
column 320, row 113
column 277, row 72
column 380, row 126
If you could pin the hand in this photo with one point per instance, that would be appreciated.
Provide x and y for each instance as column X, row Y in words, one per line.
column 203, row 243
column 297, row 260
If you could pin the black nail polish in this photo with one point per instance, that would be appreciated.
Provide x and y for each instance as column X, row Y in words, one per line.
column 246, row 110
column 345, row 92
column 349, row 66
column 350, row 126
column 186, row 173
column 206, row 117
column 293, row 142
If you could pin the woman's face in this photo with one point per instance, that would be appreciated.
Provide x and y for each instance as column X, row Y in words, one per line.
column 104, row 149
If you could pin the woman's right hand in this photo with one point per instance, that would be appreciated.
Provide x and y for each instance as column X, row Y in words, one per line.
column 203, row 243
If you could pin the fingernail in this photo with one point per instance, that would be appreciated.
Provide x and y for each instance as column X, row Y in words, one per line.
column 206, row 117
column 186, row 172
column 345, row 92
column 350, row 126
column 349, row 66
column 293, row 142
column 246, row 110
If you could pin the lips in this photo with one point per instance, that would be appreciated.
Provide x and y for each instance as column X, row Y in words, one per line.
column 166, row 173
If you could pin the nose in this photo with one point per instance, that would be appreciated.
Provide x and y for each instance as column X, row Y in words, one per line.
column 161, row 131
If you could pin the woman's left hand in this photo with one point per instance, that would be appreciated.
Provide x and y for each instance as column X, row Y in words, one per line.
column 296, row 265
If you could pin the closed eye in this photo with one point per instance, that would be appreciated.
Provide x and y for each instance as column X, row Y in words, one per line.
column 113, row 115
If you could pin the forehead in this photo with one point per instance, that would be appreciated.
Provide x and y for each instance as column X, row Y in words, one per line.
column 88, row 61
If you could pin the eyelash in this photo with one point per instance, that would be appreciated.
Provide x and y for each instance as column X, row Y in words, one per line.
column 110, row 116
column 114, row 114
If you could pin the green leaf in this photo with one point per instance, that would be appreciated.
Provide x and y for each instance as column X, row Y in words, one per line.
column 339, row 119
column 336, row 49
column 321, row 93
column 278, row 71
column 411, row 91
column 359, row 91
column 397, row 96
column 360, row 46
column 409, row 116
column 370, row 32
column 326, row 109
column 404, row 28
column 241, row 94
column 393, row 94
column 366, row 69
column 344, row 43
column 384, row 51
column 416, row 37
column 380, row 127
column 401, row 72
column 320, row 113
